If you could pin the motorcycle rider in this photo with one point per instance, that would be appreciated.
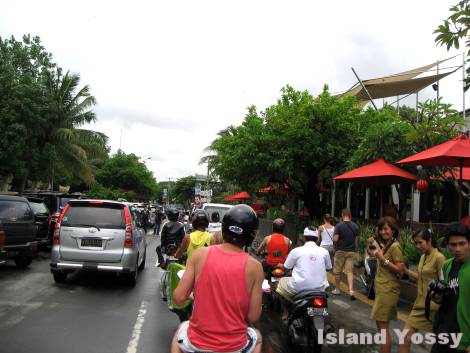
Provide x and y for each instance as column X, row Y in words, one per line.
column 276, row 244
column 199, row 237
column 309, row 264
column 172, row 233
column 227, row 286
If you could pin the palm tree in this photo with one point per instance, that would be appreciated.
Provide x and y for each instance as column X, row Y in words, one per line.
column 71, row 108
column 211, row 157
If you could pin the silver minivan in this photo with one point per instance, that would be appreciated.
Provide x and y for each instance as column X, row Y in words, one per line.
column 97, row 235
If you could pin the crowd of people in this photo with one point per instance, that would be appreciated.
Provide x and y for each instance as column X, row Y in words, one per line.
column 226, row 281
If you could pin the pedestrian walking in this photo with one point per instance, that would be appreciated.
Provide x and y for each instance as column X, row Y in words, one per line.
column 325, row 235
column 429, row 268
column 346, row 239
column 390, row 268
column 158, row 220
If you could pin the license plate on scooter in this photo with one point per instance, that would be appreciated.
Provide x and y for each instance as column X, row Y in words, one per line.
column 274, row 279
column 317, row 311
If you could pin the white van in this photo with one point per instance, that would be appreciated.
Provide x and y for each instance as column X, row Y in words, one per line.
column 213, row 208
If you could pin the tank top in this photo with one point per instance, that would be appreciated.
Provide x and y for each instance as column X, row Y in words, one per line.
column 277, row 249
column 218, row 322
column 327, row 236
column 198, row 239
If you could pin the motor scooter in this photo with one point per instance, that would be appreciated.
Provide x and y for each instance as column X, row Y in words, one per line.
column 308, row 319
column 172, row 273
column 271, row 300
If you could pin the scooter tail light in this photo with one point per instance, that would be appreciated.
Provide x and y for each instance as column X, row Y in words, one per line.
column 319, row 302
column 278, row 272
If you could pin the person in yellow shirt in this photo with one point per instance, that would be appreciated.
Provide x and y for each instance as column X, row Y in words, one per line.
column 387, row 284
column 198, row 238
column 429, row 268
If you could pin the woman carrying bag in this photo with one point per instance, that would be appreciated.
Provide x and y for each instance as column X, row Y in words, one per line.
column 325, row 235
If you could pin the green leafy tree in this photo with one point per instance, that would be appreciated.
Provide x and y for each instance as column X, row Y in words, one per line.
column 455, row 29
column 42, row 113
column 23, row 104
column 293, row 141
column 70, row 107
column 183, row 190
column 436, row 123
column 126, row 173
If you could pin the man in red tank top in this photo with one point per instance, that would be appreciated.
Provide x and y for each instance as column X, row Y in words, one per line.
column 276, row 244
column 227, row 285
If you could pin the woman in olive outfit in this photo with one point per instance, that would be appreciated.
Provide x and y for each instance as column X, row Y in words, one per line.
column 390, row 268
column 429, row 268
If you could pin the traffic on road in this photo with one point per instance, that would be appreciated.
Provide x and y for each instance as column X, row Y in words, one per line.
column 99, row 286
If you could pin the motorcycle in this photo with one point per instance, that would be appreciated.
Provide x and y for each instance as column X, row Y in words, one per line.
column 271, row 301
column 172, row 273
column 306, row 321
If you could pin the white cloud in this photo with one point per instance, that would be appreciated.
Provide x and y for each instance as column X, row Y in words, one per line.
column 171, row 74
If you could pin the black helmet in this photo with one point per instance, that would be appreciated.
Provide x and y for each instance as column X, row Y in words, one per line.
column 278, row 225
column 172, row 214
column 239, row 225
column 215, row 217
column 200, row 219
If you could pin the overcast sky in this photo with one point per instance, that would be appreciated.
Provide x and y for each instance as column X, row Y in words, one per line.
column 171, row 74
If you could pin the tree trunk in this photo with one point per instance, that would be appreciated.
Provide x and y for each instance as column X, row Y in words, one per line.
column 23, row 181
column 311, row 198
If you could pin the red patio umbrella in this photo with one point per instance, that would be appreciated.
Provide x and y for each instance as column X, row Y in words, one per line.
column 238, row 196
column 456, row 175
column 453, row 153
column 379, row 172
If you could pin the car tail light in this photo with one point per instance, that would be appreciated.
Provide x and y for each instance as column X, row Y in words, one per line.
column 2, row 237
column 56, row 236
column 319, row 302
column 128, row 238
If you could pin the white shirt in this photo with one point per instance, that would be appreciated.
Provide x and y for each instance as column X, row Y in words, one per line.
column 309, row 263
column 327, row 236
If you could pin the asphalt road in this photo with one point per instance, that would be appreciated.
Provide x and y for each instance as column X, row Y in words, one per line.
column 97, row 313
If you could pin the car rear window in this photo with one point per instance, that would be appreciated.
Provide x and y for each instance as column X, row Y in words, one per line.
column 220, row 210
column 63, row 201
column 102, row 216
column 39, row 208
column 13, row 211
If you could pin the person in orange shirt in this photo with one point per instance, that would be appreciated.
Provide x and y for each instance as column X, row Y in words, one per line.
column 277, row 245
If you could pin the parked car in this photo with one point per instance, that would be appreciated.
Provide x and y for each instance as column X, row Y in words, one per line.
column 215, row 224
column 42, row 218
column 3, row 253
column 55, row 202
column 97, row 235
column 19, row 229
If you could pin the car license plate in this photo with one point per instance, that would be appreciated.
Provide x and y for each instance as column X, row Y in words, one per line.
column 274, row 279
column 92, row 243
column 317, row 311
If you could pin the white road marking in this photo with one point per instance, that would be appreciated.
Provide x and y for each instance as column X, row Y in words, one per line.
column 342, row 304
column 139, row 323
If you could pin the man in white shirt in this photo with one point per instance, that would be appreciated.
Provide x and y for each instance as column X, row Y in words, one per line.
column 309, row 264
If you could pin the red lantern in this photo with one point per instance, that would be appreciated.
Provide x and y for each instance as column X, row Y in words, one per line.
column 422, row 185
